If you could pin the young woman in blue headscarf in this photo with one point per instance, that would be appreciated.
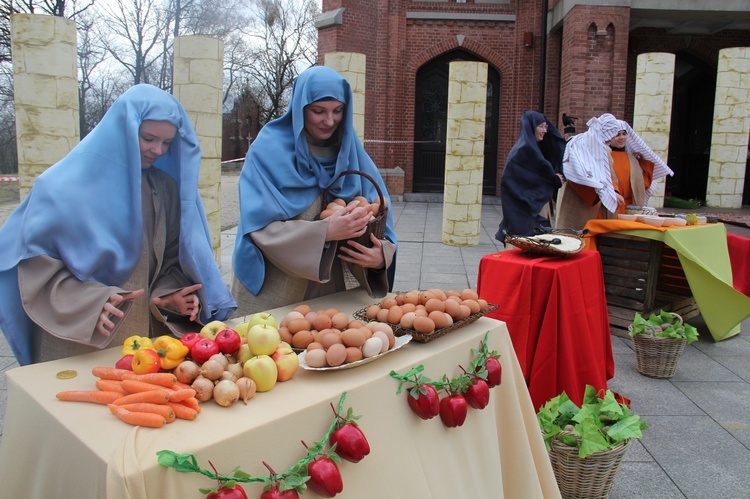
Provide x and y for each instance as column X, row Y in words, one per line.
column 532, row 175
column 283, row 254
column 112, row 240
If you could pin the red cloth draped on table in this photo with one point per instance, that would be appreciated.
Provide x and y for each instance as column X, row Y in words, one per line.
column 556, row 312
column 739, row 257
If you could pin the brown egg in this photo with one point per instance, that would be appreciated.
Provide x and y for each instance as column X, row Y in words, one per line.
column 336, row 355
column 439, row 293
column 434, row 304
column 353, row 354
column 325, row 214
column 483, row 305
column 296, row 325
column 340, row 320
column 330, row 339
column 424, row 296
column 472, row 304
column 456, row 298
column 374, row 208
column 381, row 326
column 363, row 201
column 334, row 206
column 353, row 337
column 316, row 358
column 320, row 334
column 310, row 316
column 469, row 294
column 322, row 321
column 303, row 309
column 382, row 315
column 314, row 346
column 367, row 332
column 452, row 308
column 372, row 311
column 412, row 297
column 291, row 316
column 353, row 324
column 424, row 325
column 388, row 302
column 285, row 334
column 439, row 319
column 384, row 340
column 465, row 312
column 339, row 202
column 448, row 318
column 331, row 312
column 408, row 307
column 302, row 338
column 399, row 299
column 452, row 292
column 420, row 311
column 407, row 320
column 394, row 314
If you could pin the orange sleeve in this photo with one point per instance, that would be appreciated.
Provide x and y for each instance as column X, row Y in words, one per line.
column 648, row 172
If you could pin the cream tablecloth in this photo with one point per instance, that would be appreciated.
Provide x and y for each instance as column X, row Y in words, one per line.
column 76, row 450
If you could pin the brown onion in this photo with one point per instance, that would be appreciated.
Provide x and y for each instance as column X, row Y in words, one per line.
column 247, row 388
column 204, row 388
column 187, row 371
column 226, row 393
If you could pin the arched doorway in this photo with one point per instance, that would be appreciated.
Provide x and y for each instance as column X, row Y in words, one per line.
column 692, row 120
column 430, row 118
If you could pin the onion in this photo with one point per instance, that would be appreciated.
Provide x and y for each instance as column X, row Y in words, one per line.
column 212, row 369
column 227, row 375
column 204, row 388
column 221, row 359
column 247, row 388
column 235, row 369
column 187, row 371
column 226, row 393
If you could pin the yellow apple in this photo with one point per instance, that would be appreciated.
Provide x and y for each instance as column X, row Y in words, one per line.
column 244, row 353
column 286, row 361
column 261, row 369
column 263, row 339
column 263, row 318
column 242, row 329
column 213, row 328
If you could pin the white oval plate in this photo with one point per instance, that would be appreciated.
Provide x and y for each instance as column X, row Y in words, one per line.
column 400, row 341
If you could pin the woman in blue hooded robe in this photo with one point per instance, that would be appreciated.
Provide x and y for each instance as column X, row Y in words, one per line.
column 112, row 240
column 283, row 253
column 531, row 177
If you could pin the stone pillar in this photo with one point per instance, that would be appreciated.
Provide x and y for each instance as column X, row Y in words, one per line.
column 652, row 111
column 464, row 159
column 353, row 67
column 45, row 87
column 729, row 138
column 198, row 85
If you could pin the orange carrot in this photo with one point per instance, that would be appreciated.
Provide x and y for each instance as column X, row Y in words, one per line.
column 193, row 403
column 178, row 385
column 162, row 379
column 151, row 397
column 133, row 386
column 161, row 409
column 105, row 372
column 94, row 396
column 138, row 418
column 182, row 411
column 180, row 395
column 111, row 385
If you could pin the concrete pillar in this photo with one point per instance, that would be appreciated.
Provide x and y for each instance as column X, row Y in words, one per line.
column 652, row 111
column 729, row 138
column 197, row 84
column 45, row 87
column 353, row 67
column 464, row 159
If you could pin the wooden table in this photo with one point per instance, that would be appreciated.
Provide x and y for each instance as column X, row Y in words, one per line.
column 76, row 450
column 556, row 314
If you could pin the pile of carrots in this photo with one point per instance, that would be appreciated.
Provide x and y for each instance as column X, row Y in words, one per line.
column 151, row 400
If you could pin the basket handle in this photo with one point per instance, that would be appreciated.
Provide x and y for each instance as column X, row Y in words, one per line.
column 368, row 177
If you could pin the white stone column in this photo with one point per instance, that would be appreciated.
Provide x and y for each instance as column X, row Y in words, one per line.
column 652, row 111
column 729, row 138
column 464, row 158
column 198, row 84
column 45, row 87
column 353, row 67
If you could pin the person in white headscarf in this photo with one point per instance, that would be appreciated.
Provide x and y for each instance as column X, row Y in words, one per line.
column 608, row 168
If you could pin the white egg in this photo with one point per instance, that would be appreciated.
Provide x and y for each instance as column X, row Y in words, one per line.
column 383, row 338
column 372, row 347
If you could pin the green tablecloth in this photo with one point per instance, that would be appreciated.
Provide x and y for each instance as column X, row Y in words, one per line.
column 704, row 256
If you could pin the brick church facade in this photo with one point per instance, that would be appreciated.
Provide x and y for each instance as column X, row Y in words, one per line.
column 580, row 60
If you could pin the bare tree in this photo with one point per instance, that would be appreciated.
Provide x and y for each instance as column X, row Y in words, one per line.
column 284, row 41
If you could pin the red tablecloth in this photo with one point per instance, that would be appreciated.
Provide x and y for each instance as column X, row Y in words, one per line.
column 556, row 313
column 739, row 257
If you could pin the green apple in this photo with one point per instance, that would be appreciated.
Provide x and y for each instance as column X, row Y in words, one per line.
column 263, row 339
column 286, row 361
column 213, row 328
column 261, row 369
column 242, row 329
column 244, row 353
column 263, row 318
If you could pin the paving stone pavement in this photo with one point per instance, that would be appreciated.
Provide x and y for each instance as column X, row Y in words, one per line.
column 698, row 443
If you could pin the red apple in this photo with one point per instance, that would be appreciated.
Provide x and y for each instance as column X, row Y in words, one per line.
column 203, row 350
column 286, row 361
column 228, row 340
column 190, row 339
column 126, row 362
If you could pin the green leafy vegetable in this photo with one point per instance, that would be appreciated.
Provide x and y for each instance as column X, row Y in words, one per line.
column 663, row 325
column 599, row 424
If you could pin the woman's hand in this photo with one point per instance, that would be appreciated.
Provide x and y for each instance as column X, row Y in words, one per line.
column 368, row 258
column 104, row 325
column 347, row 223
column 620, row 199
column 184, row 301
